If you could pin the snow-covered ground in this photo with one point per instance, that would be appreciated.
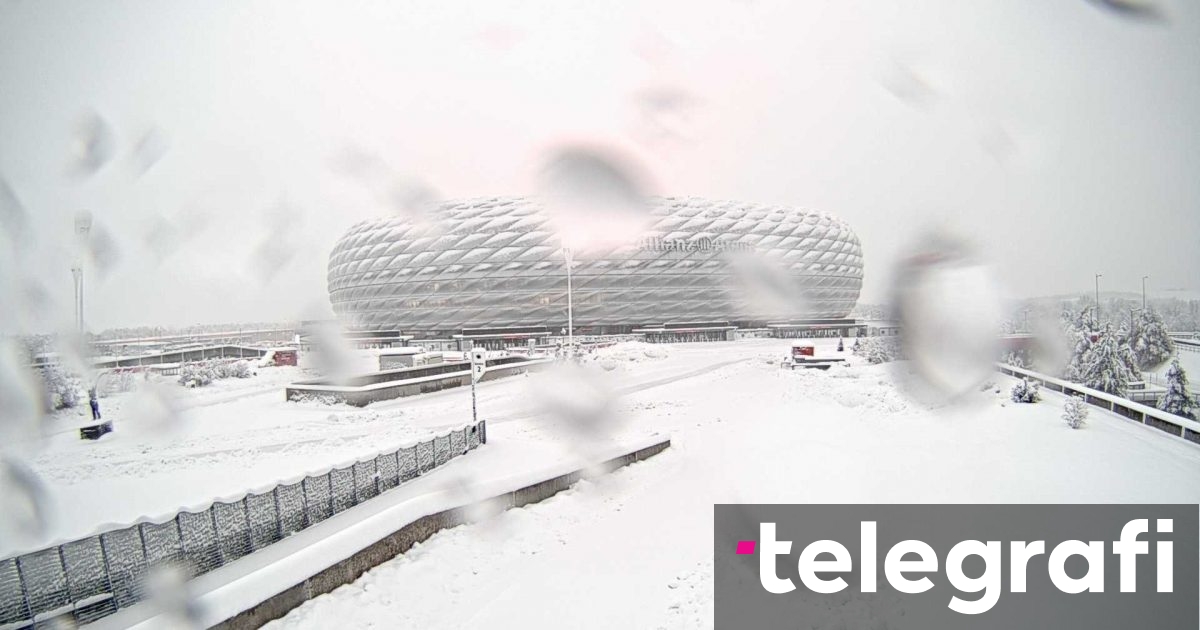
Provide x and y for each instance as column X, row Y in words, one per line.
column 633, row 549
column 174, row 447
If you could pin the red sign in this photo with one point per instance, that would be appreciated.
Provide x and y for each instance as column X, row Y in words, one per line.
column 802, row 351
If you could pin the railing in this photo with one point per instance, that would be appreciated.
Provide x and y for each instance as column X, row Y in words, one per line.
column 84, row 580
column 1157, row 418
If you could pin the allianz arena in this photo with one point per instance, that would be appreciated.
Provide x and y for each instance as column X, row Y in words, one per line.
column 495, row 264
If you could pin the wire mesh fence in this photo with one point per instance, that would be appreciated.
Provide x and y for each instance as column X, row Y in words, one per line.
column 87, row 579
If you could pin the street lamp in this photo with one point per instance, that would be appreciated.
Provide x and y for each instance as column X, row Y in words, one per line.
column 570, row 306
column 1144, row 292
column 1097, row 316
column 83, row 227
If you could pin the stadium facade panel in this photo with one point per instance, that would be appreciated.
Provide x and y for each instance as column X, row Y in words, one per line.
column 495, row 263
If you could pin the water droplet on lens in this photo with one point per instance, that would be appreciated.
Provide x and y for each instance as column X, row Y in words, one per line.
column 170, row 592
column 21, row 400
column 24, row 504
column 593, row 197
column 149, row 149
column 948, row 306
column 94, row 145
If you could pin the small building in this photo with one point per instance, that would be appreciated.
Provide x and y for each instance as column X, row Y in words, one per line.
column 405, row 357
column 285, row 356
column 687, row 332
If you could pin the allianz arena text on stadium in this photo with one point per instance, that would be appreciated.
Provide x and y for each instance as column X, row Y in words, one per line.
column 495, row 264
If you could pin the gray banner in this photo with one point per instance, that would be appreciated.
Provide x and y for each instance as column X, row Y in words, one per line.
column 959, row 578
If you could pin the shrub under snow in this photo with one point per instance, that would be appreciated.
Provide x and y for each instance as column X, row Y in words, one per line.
column 1026, row 392
column 1075, row 412
column 202, row 373
column 1177, row 400
column 61, row 387
column 877, row 350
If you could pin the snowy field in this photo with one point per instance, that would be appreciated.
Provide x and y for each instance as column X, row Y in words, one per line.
column 175, row 447
column 633, row 549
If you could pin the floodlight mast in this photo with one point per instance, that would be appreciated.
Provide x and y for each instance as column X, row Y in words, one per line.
column 83, row 228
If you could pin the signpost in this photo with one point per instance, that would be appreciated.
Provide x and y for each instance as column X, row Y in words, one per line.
column 478, row 367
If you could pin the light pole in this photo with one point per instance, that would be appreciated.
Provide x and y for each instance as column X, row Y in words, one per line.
column 570, row 307
column 1097, row 317
column 1144, row 292
column 83, row 227
column 1026, row 312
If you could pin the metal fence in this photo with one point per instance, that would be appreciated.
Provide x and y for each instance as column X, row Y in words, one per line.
column 1161, row 420
column 87, row 579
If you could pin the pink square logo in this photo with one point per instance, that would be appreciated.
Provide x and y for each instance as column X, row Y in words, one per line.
column 745, row 547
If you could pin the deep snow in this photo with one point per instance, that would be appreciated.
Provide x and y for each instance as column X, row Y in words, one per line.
column 634, row 549
column 240, row 434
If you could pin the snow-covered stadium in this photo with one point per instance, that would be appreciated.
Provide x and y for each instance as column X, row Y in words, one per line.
column 495, row 263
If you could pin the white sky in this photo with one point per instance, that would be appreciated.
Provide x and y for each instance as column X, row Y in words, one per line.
column 1063, row 137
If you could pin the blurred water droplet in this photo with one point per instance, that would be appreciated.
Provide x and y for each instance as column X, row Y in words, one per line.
column 162, row 238
column 149, row 149
column 279, row 246
column 500, row 37
column 353, row 161
column 103, row 250
column 58, row 623
column 908, row 85
column 405, row 196
column 75, row 354
column 999, row 143
column 578, row 405
column 330, row 353
column 25, row 513
column 271, row 255
column 765, row 288
column 21, row 400
column 13, row 219
column 1133, row 9
column 94, row 144
column 665, row 114
column 169, row 591
column 594, row 198
column 948, row 307
column 153, row 409
column 412, row 199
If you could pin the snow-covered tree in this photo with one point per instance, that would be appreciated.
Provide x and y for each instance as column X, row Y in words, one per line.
column 195, row 375
column 1149, row 340
column 62, row 388
column 1178, row 400
column 1103, row 367
column 879, row 349
column 1015, row 358
column 1079, row 329
column 1125, row 352
column 1026, row 392
column 1075, row 412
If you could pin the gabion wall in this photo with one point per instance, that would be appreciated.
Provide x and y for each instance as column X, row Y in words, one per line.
column 96, row 576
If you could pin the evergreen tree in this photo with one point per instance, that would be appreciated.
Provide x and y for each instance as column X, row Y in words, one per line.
column 1079, row 328
column 1178, row 400
column 1075, row 412
column 1128, row 359
column 1150, row 342
column 1103, row 368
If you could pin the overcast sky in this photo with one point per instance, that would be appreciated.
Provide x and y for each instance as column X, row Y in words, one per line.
column 1062, row 136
